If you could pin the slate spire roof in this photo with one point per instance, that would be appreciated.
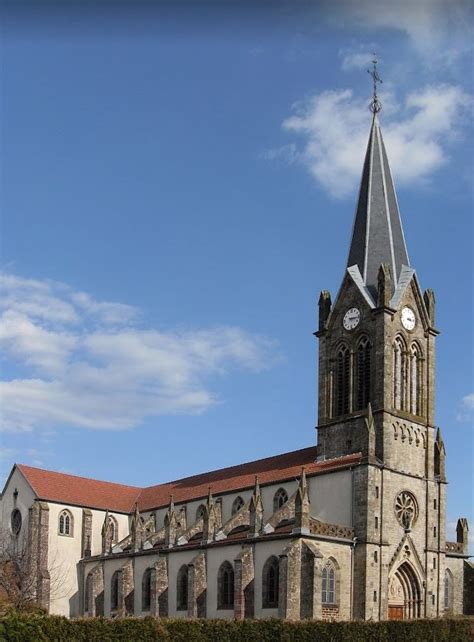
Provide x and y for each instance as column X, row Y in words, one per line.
column 377, row 236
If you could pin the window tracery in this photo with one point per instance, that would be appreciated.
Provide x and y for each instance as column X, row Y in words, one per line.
column 415, row 379
column 448, row 590
column 342, row 381
column 225, row 586
column 406, row 509
column 182, row 588
column 270, row 583
column 237, row 505
column 363, row 374
column 201, row 511
column 399, row 374
column 65, row 525
column 16, row 521
column 328, row 586
column 280, row 498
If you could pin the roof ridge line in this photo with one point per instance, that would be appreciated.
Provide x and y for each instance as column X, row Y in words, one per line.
column 94, row 479
column 216, row 470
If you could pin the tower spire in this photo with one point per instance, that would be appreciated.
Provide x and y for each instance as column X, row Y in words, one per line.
column 377, row 235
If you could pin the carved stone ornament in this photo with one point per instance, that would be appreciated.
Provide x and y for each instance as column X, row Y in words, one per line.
column 406, row 509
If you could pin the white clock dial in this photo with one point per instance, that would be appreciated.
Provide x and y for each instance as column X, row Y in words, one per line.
column 408, row 318
column 351, row 319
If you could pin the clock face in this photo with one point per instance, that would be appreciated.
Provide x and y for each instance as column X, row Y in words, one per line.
column 351, row 319
column 408, row 318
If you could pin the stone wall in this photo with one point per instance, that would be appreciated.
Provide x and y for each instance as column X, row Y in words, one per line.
column 38, row 543
column 197, row 586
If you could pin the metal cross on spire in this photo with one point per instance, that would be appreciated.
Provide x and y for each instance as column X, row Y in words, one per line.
column 375, row 105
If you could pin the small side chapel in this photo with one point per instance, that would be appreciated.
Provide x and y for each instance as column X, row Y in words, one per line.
column 351, row 528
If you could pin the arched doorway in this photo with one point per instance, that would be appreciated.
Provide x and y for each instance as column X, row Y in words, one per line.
column 404, row 594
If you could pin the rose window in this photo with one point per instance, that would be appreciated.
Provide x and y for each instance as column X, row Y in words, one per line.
column 406, row 509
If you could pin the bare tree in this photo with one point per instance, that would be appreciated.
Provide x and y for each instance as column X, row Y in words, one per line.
column 19, row 573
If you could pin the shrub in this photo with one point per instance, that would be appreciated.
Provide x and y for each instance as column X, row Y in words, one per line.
column 21, row 627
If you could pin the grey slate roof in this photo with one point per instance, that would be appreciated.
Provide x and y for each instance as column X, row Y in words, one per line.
column 405, row 277
column 377, row 236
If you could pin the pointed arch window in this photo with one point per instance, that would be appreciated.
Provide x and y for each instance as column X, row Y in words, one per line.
column 201, row 511
column 225, row 586
column 182, row 589
column 448, row 590
column 328, row 593
column 146, row 590
column 237, row 505
column 270, row 583
column 363, row 374
column 399, row 374
column 114, row 591
column 415, row 379
column 109, row 533
column 342, row 381
column 88, row 593
column 113, row 532
column 280, row 498
column 65, row 525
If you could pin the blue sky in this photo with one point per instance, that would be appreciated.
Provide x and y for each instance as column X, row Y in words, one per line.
column 177, row 185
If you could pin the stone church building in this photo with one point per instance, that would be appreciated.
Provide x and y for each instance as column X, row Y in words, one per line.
column 351, row 528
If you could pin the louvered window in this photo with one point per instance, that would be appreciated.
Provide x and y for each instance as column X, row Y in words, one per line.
column 363, row 374
column 399, row 374
column 342, row 381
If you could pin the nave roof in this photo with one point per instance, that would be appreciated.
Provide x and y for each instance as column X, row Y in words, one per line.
column 91, row 493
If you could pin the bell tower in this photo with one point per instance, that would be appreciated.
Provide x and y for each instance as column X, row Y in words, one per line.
column 376, row 398
column 377, row 340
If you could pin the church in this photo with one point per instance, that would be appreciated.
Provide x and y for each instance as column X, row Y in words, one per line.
column 351, row 528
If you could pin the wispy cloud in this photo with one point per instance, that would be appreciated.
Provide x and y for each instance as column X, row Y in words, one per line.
column 355, row 60
column 440, row 31
column 466, row 408
column 333, row 129
column 88, row 363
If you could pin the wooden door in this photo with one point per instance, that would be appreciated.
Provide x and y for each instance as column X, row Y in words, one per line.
column 395, row 612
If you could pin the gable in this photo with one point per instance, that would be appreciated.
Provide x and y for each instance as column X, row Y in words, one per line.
column 79, row 491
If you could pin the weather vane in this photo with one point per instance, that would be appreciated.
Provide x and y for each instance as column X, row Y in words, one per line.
column 375, row 105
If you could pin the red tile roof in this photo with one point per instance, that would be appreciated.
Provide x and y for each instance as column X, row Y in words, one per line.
column 271, row 469
column 80, row 491
column 69, row 489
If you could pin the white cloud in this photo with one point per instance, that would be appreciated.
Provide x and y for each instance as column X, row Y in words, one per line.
column 333, row 126
column 468, row 401
column 466, row 409
column 356, row 60
column 109, row 313
column 287, row 153
column 440, row 31
column 94, row 368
